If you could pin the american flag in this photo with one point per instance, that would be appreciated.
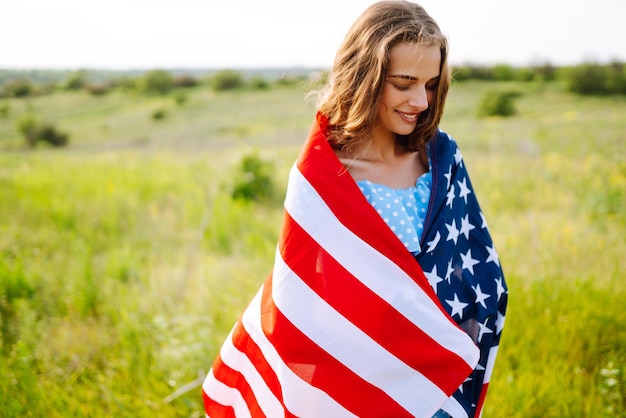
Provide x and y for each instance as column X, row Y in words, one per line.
column 347, row 324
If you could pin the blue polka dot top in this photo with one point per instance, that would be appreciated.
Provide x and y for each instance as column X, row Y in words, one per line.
column 404, row 210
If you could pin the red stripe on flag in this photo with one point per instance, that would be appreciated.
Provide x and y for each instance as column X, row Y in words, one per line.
column 233, row 379
column 245, row 344
column 356, row 302
column 481, row 399
column 214, row 409
column 315, row 366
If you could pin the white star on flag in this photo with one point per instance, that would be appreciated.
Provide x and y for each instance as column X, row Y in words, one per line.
column 500, row 287
column 468, row 261
column 493, row 255
column 480, row 296
column 466, row 226
column 484, row 329
column 433, row 278
column 465, row 191
column 450, row 196
column 458, row 157
column 453, row 233
column 500, row 323
column 449, row 271
column 457, row 306
column 433, row 244
column 448, row 176
column 468, row 379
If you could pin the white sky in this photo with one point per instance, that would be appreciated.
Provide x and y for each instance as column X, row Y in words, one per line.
column 142, row 34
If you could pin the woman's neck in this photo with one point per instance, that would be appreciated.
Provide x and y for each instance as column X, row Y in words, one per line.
column 382, row 163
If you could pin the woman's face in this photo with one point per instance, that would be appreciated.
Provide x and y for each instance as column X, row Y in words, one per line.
column 409, row 87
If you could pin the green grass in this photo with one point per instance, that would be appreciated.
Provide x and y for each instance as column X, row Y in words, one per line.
column 124, row 262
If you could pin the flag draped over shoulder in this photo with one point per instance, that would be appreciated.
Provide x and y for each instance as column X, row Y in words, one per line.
column 347, row 324
column 461, row 264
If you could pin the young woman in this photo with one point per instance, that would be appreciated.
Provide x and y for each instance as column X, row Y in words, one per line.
column 387, row 298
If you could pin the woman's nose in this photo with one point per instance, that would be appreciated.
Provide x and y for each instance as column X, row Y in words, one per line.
column 419, row 98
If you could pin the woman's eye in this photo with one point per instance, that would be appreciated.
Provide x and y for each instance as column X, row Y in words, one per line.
column 402, row 87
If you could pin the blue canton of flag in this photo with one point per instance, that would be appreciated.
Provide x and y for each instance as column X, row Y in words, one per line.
column 461, row 264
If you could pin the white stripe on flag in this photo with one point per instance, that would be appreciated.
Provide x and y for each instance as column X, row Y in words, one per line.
column 491, row 360
column 355, row 349
column 300, row 398
column 239, row 361
column 372, row 268
column 225, row 395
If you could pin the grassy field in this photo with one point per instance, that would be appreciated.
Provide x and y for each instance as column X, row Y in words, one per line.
column 124, row 262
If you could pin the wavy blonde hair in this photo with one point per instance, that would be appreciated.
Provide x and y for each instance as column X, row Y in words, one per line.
column 350, row 100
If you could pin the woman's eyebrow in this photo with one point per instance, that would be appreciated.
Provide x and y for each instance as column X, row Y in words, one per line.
column 403, row 77
column 410, row 77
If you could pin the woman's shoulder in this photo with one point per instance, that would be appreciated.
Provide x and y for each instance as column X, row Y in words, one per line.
column 443, row 137
column 444, row 143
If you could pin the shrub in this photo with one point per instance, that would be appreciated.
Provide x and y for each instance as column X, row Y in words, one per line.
column 253, row 179
column 503, row 72
column 497, row 103
column 34, row 132
column 596, row 79
column 48, row 133
column 525, row 74
column 180, row 99
column 587, row 78
column 616, row 79
column 76, row 80
column 227, row 80
column 546, row 71
column 259, row 83
column 185, row 81
column 159, row 114
column 27, row 126
column 156, row 82
column 98, row 89
column 18, row 88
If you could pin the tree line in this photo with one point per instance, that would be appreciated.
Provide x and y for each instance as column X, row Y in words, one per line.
column 15, row 83
column 588, row 78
